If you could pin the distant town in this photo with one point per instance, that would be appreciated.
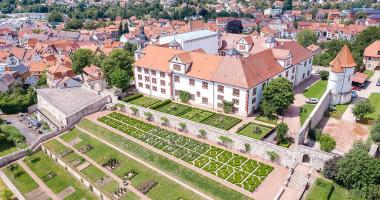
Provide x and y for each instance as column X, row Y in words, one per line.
column 174, row 99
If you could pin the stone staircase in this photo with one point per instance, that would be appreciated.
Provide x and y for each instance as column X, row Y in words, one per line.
column 299, row 178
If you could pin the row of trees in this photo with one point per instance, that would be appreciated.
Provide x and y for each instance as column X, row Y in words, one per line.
column 117, row 66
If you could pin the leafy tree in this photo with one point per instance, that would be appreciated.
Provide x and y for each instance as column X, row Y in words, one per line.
column 184, row 96
column 80, row 59
column 202, row 133
column 228, row 106
column 327, row 142
column 234, row 26
column 362, row 108
column 267, row 108
column 277, row 95
column 131, row 48
column 117, row 68
column 247, row 147
column 7, row 195
column 55, row 16
column 273, row 156
column 375, row 132
column 74, row 24
column 330, row 168
column 281, row 131
column 17, row 100
column 324, row 74
column 225, row 140
column 307, row 37
column 42, row 80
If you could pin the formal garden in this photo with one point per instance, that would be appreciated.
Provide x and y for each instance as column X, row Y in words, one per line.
column 217, row 120
column 253, row 130
column 143, row 178
column 234, row 168
column 20, row 178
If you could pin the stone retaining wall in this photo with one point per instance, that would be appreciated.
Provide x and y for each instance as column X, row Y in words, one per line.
column 75, row 173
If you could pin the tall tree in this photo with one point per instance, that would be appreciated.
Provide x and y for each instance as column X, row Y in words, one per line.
column 81, row 59
column 234, row 26
column 55, row 16
column 306, row 37
column 278, row 94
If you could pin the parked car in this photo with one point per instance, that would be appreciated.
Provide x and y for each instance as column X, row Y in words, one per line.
column 378, row 82
column 357, row 88
column 6, row 122
column 353, row 94
column 312, row 100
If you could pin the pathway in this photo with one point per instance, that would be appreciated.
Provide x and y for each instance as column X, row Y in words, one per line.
column 297, row 183
column 146, row 164
column 40, row 183
column 113, row 176
column 267, row 189
column 248, row 119
column 10, row 185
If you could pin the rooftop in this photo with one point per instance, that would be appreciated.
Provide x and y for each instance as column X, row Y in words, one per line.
column 194, row 35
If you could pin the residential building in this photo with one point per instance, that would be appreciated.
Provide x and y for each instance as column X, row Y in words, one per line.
column 371, row 56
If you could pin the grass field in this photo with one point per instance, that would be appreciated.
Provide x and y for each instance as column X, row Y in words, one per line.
column 222, row 121
column 305, row 112
column 263, row 118
column 316, row 90
column 210, row 187
column 41, row 165
column 323, row 189
column 144, row 101
column 374, row 98
column 174, row 109
column 340, row 109
column 7, row 148
column 250, row 131
column 165, row 189
column 20, row 179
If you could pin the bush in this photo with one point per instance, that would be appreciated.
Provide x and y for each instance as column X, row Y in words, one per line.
column 330, row 168
column 281, row 131
column 133, row 97
column 362, row 108
column 324, row 75
column 17, row 101
column 160, row 104
column 327, row 142
column 184, row 96
column 375, row 132
column 228, row 107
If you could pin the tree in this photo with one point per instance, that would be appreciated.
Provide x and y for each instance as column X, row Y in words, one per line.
column 281, row 131
column 7, row 195
column 74, row 24
column 184, row 96
column 225, row 140
column 267, row 108
column 182, row 126
column 117, row 68
column 273, row 156
column 202, row 133
column 81, row 59
column 288, row 5
column 164, row 121
column 148, row 115
column 307, row 37
column 247, row 147
column 42, row 80
column 324, row 74
column 234, row 26
column 362, row 108
column 277, row 95
column 327, row 142
column 121, row 31
column 228, row 106
column 55, row 16
column 330, row 168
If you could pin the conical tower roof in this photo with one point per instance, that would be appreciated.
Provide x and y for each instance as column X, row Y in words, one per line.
column 344, row 59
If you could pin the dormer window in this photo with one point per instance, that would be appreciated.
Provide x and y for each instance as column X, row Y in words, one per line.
column 177, row 67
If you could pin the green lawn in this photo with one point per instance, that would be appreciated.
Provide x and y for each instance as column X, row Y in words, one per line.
column 265, row 119
column 144, row 101
column 255, row 131
column 174, row 109
column 41, row 165
column 197, row 115
column 209, row 186
column 374, row 98
column 165, row 189
column 370, row 73
column 20, row 179
column 316, row 90
column 7, row 148
column 305, row 112
column 222, row 121
column 340, row 109
column 324, row 189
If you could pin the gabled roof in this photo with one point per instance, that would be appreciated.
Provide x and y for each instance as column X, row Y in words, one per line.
column 344, row 59
column 373, row 50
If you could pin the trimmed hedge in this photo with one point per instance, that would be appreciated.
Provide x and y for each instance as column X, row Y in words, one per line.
column 159, row 104
column 133, row 97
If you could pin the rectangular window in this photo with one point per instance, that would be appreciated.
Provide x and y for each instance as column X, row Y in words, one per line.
column 191, row 82
column 308, row 73
column 176, row 92
column 146, row 79
column 139, row 77
column 220, row 105
column 162, row 74
column 294, row 69
column 139, row 69
column 204, row 85
column 204, row 100
column 162, row 82
column 163, row 91
column 254, row 100
column 235, row 92
column 309, row 60
column 140, row 85
column 153, row 72
column 220, row 97
column 235, row 101
column 146, row 71
column 198, row 94
column 220, row 88
column 154, row 88
column 254, row 91
column 147, row 86
column 192, row 97
column 241, row 47
column 154, row 80
column 287, row 74
column 176, row 79
column 177, row 67
column 235, row 110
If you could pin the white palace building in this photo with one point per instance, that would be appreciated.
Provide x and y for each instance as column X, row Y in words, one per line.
column 237, row 76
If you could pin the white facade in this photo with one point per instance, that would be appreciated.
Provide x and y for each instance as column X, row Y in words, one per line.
column 303, row 70
column 340, row 86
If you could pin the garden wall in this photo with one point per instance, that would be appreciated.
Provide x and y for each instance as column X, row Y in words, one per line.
column 98, row 192
column 287, row 157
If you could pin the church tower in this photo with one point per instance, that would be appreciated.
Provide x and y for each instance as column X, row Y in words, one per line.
column 340, row 79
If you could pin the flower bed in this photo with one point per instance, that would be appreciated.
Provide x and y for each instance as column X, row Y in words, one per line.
column 222, row 121
column 222, row 163
column 255, row 131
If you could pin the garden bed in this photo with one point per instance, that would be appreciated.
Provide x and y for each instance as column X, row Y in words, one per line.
column 144, row 101
column 197, row 115
column 174, row 109
column 222, row 121
column 255, row 131
column 265, row 119
column 20, row 178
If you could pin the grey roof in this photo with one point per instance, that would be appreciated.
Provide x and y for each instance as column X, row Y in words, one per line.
column 142, row 36
column 174, row 43
column 31, row 80
column 232, row 52
column 194, row 35
column 271, row 40
column 69, row 100
column 21, row 69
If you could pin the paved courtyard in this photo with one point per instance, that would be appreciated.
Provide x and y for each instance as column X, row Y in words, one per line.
column 30, row 134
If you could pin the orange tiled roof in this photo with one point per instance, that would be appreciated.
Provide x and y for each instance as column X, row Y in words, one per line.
column 373, row 50
column 344, row 59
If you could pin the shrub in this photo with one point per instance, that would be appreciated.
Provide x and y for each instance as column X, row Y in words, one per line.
column 273, row 156
column 202, row 133
column 148, row 115
column 376, row 136
column 247, row 147
column 362, row 108
column 133, row 97
column 164, row 121
column 225, row 140
column 327, row 142
column 182, row 126
column 134, row 110
column 376, row 131
column 184, row 96
column 330, row 168
column 160, row 104
column 17, row 101
column 228, row 106
column 281, row 131
column 324, row 75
